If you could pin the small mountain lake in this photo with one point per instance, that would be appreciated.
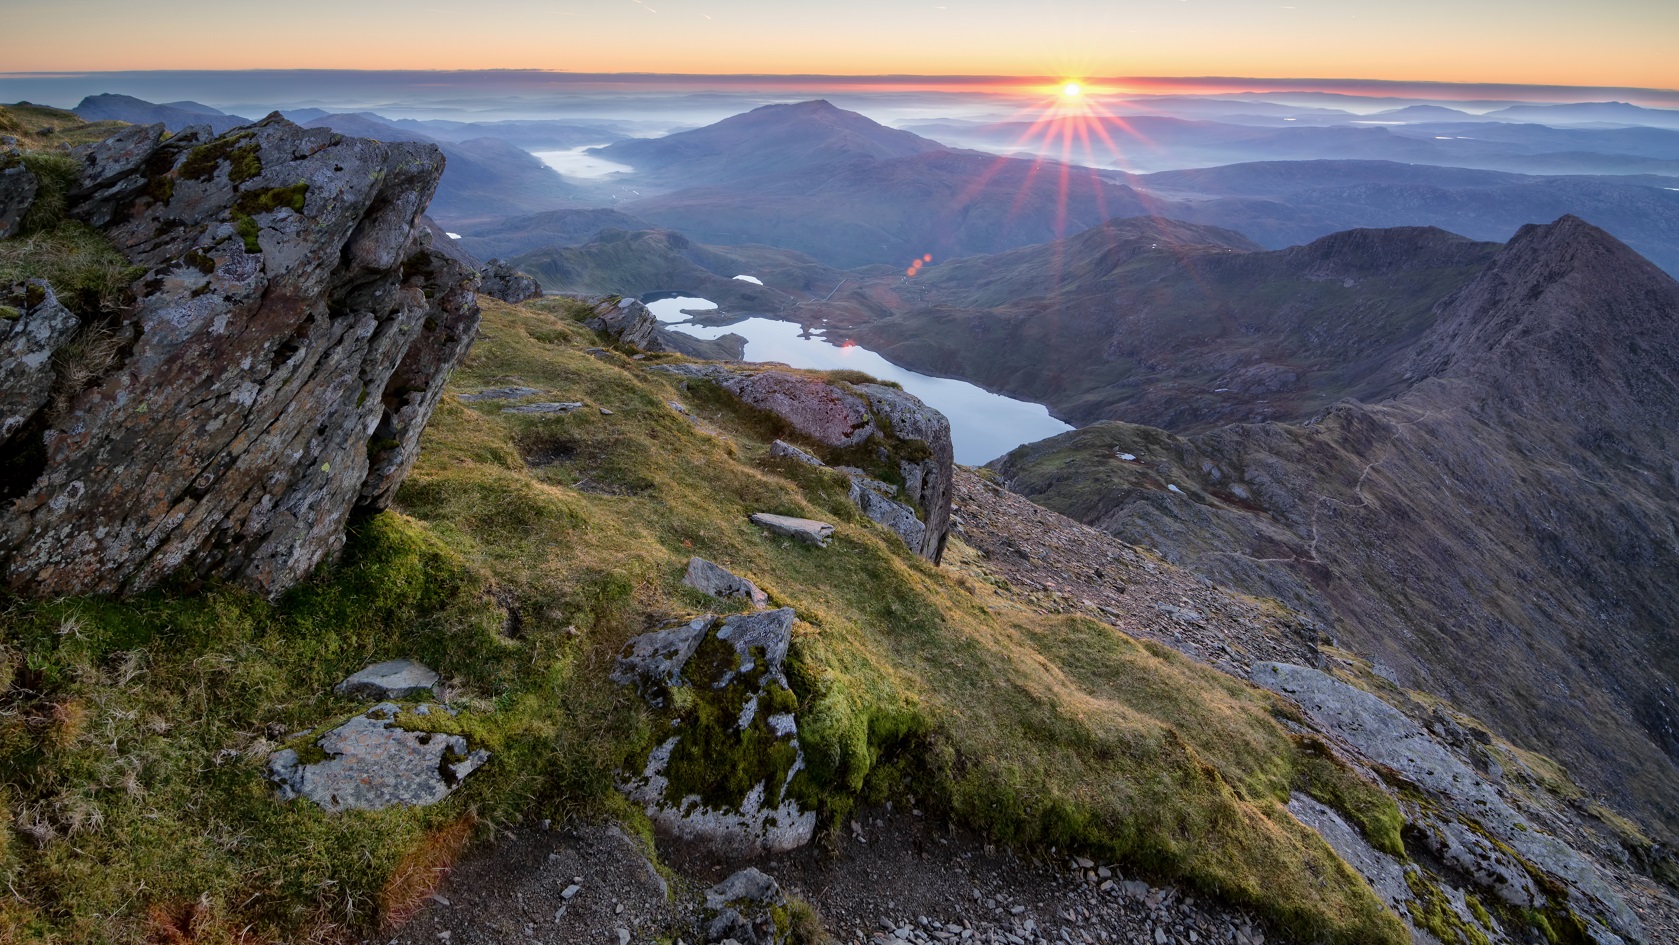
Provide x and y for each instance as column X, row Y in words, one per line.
column 574, row 162
column 983, row 425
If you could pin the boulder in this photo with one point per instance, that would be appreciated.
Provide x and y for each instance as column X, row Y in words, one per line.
column 929, row 479
column 17, row 194
column 721, row 779
column 824, row 412
column 501, row 281
column 784, row 450
column 372, row 763
column 806, row 530
column 748, row 908
column 876, row 500
column 708, row 578
column 392, row 679
column 625, row 320
column 28, row 343
column 293, row 336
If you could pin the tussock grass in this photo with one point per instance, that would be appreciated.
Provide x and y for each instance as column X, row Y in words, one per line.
column 525, row 551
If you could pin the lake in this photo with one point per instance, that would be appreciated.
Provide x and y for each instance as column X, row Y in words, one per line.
column 983, row 425
column 574, row 163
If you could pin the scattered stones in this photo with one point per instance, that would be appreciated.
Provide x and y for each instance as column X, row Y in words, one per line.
column 501, row 281
column 709, row 578
column 500, row 393
column 392, row 679
column 806, row 530
column 781, row 449
column 372, row 763
column 743, row 909
column 544, row 408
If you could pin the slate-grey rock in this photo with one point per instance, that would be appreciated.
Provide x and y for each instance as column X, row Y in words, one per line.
column 392, row 679
column 742, row 908
column 502, row 281
column 626, row 320
column 781, row 449
column 27, row 345
column 806, row 530
column 373, row 764
column 653, row 661
column 294, row 336
column 753, row 635
column 714, row 579
column 822, row 411
column 729, row 347
column 544, row 408
column 929, row 482
column 17, row 194
column 500, row 393
column 1388, row 737
column 880, row 507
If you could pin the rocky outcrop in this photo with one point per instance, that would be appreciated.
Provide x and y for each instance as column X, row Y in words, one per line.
column 293, row 333
column 501, row 281
column 372, row 763
column 625, row 320
column 17, row 192
column 723, row 777
column 28, row 340
column 824, row 412
column 928, row 481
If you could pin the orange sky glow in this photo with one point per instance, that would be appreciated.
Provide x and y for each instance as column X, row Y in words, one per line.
column 1610, row 43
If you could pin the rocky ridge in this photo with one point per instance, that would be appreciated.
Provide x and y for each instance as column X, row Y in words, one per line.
column 293, row 332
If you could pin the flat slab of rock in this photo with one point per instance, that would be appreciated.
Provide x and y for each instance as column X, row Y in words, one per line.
column 804, row 529
column 372, row 764
column 714, row 579
column 500, row 393
column 544, row 408
column 392, row 679
column 653, row 661
column 783, row 450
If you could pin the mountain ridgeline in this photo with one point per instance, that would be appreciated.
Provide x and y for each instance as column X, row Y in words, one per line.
column 1499, row 528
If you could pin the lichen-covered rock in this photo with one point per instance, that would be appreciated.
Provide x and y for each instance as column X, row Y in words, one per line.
column 626, row 320
column 501, row 281
column 723, row 776
column 824, row 412
column 372, row 763
column 392, row 679
column 27, row 345
column 1384, row 735
column 875, row 499
column 748, row 908
column 294, row 332
column 929, row 480
column 714, row 579
column 781, row 449
column 807, row 530
column 17, row 194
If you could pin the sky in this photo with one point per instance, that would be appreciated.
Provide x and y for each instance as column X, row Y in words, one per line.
column 1562, row 42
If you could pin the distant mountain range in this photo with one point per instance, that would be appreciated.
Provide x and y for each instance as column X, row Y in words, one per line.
column 1496, row 526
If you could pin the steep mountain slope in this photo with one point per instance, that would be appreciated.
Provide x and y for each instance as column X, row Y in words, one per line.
column 1178, row 325
column 1503, row 533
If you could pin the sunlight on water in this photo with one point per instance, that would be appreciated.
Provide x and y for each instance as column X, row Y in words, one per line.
column 983, row 425
column 669, row 309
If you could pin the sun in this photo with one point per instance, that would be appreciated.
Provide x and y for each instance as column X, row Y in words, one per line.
column 1072, row 90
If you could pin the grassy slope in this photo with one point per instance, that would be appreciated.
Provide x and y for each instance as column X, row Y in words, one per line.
column 133, row 735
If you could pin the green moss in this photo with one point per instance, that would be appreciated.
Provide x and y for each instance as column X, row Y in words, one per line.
column 1322, row 776
column 7, row 313
column 269, row 199
column 238, row 150
column 1432, row 911
column 248, row 231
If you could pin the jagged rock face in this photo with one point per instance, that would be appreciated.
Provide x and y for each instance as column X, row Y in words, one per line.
column 293, row 334
column 27, row 344
column 627, row 320
column 17, row 193
column 1500, row 534
column 928, row 481
column 501, row 281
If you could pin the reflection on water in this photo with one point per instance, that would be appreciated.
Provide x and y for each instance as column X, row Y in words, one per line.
column 983, row 425
column 574, row 163
column 667, row 307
